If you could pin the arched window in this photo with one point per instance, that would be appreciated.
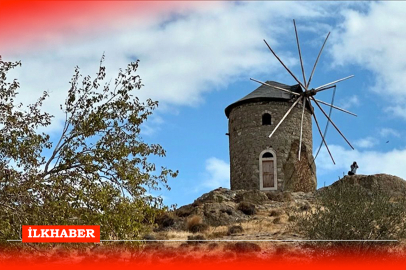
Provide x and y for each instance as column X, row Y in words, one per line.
column 266, row 119
column 267, row 170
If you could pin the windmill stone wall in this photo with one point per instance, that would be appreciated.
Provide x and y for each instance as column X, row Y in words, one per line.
column 248, row 138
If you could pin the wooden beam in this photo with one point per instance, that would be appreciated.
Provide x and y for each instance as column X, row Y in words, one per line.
column 301, row 127
column 342, row 135
column 283, row 118
column 317, row 60
column 290, row 72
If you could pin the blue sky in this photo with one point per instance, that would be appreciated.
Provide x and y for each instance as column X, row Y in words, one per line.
column 197, row 58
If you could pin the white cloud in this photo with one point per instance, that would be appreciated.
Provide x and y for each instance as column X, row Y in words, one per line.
column 376, row 40
column 184, row 52
column 218, row 174
column 351, row 101
column 369, row 162
column 386, row 132
column 367, row 142
column 397, row 110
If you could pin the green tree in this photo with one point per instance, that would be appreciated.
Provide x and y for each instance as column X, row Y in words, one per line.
column 97, row 172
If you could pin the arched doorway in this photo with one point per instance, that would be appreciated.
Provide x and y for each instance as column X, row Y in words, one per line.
column 267, row 170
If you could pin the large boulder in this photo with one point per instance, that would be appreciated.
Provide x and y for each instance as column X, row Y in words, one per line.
column 219, row 214
column 219, row 195
column 252, row 196
column 219, row 207
column 390, row 184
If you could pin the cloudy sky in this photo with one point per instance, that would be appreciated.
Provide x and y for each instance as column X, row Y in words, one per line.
column 196, row 58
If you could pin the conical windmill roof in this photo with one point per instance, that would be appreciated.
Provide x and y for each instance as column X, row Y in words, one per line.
column 265, row 93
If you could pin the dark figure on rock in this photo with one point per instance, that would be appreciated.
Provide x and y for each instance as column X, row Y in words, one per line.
column 354, row 168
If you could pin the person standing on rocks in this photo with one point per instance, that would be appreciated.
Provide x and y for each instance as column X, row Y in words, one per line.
column 354, row 168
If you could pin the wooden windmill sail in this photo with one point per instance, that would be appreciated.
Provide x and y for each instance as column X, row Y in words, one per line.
column 307, row 95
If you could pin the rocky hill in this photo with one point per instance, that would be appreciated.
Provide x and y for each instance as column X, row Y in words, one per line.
column 252, row 214
column 230, row 224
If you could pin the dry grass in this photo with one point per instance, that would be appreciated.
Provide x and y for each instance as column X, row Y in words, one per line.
column 275, row 213
column 235, row 229
column 217, row 235
column 195, row 224
column 260, row 226
column 177, row 235
column 193, row 220
column 161, row 235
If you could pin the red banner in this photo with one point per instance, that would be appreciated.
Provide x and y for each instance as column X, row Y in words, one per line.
column 60, row 233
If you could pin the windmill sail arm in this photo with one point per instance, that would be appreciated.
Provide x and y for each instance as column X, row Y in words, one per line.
column 283, row 118
column 317, row 60
column 300, row 56
column 290, row 72
column 324, row 88
column 321, row 109
column 335, row 107
column 301, row 127
column 320, row 88
column 322, row 137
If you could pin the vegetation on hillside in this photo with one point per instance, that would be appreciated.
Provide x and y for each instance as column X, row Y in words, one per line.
column 351, row 212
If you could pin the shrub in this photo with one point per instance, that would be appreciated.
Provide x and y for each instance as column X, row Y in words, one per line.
column 349, row 212
column 194, row 224
column 235, row 229
column 193, row 220
column 184, row 211
column 247, row 208
column 201, row 227
column 148, row 237
column 277, row 220
column 165, row 220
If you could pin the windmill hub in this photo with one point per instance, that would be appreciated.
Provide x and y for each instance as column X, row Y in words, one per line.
column 309, row 93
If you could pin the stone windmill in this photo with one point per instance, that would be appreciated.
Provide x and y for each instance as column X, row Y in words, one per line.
column 270, row 133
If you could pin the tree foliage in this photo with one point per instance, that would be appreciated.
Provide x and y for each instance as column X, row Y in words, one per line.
column 350, row 212
column 96, row 172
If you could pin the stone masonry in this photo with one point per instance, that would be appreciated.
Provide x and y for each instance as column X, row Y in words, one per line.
column 248, row 138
